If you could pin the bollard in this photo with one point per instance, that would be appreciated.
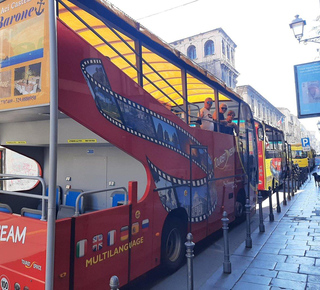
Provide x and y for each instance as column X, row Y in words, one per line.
column 288, row 180
column 114, row 283
column 189, row 245
column 284, row 192
column 261, row 225
column 278, row 200
column 271, row 216
column 248, row 239
column 225, row 228
column 294, row 183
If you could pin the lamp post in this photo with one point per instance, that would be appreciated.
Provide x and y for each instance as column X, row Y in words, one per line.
column 297, row 26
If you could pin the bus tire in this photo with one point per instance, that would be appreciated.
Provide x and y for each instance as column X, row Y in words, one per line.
column 240, row 211
column 172, row 244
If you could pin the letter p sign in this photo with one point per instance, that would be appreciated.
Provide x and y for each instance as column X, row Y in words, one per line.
column 305, row 144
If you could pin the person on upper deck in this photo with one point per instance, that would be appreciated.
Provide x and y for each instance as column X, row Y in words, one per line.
column 222, row 109
column 231, row 126
column 206, row 116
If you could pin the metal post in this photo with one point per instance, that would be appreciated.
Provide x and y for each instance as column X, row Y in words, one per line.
column 261, row 225
column 278, row 200
column 248, row 239
column 189, row 245
column 114, row 283
column 294, row 182
column 289, row 189
column 51, row 224
column 284, row 192
column 225, row 228
column 271, row 216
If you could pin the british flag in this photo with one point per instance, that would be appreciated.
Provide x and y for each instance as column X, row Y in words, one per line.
column 97, row 242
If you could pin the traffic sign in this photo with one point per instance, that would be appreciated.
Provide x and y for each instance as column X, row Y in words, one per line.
column 305, row 144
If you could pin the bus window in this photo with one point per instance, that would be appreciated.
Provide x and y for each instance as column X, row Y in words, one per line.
column 16, row 163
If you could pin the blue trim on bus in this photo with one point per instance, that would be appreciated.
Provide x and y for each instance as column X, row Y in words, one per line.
column 24, row 57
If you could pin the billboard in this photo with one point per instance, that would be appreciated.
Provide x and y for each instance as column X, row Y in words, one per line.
column 24, row 54
column 307, row 79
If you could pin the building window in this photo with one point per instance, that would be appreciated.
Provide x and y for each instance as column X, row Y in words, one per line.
column 209, row 48
column 223, row 48
column 223, row 75
column 230, row 79
column 191, row 52
column 228, row 52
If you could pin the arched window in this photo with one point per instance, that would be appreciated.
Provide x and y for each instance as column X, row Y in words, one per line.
column 209, row 48
column 191, row 52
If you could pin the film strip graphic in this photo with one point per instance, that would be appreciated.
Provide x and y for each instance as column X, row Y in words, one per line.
column 204, row 206
column 102, row 93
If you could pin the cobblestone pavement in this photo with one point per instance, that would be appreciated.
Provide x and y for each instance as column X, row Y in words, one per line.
column 285, row 256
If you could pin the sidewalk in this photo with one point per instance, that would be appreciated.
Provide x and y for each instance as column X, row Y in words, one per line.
column 285, row 256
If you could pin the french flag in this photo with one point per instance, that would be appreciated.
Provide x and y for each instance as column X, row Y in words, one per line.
column 111, row 237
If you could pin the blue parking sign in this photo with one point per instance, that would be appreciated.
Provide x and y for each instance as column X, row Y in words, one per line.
column 305, row 144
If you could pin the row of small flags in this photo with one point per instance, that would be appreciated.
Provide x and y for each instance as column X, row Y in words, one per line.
column 97, row 241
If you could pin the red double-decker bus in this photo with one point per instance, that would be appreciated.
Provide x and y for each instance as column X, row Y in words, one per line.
column 117, row 169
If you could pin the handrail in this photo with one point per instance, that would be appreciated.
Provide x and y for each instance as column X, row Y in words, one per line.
column 43, row 197
column 77, row 213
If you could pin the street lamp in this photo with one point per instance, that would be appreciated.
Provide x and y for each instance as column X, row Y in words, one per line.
column 297, row 25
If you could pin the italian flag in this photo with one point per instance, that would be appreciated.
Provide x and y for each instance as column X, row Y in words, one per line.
column 81, row 248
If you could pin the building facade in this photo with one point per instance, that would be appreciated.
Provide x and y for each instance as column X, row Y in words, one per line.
column 261, row 108
column 214, row 51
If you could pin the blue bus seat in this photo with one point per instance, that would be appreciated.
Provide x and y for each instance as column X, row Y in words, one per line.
column 117, row 198
column 31, row 213
column 58, row 198
column 70, row 198
column 5, row 208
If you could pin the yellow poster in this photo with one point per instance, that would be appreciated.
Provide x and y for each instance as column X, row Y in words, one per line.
column 24, row 54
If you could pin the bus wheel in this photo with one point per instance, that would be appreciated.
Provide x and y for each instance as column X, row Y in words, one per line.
column 172, row 244
column 240, row 206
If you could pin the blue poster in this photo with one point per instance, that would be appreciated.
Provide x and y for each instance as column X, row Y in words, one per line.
column 307, row 77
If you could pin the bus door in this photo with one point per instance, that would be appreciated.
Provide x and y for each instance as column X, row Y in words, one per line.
column 261, row 155
column 248, row 151
column 201, row 190
column 282, row 148
column 101, row 245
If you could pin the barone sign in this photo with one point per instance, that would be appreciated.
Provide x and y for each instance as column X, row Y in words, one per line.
column 12, row 233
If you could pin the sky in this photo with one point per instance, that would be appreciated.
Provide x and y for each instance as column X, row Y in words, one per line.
column 266, row 47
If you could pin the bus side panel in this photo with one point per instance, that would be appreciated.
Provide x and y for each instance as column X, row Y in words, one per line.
column 102, row 247
column 62, row 254
column 143, row 258
column 22, row 251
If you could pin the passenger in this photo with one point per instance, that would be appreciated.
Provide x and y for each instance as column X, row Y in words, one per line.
column 206, row 116
column 222, row 109
column 231, row 125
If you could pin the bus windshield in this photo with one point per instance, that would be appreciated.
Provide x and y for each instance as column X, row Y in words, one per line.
column 299, row 154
